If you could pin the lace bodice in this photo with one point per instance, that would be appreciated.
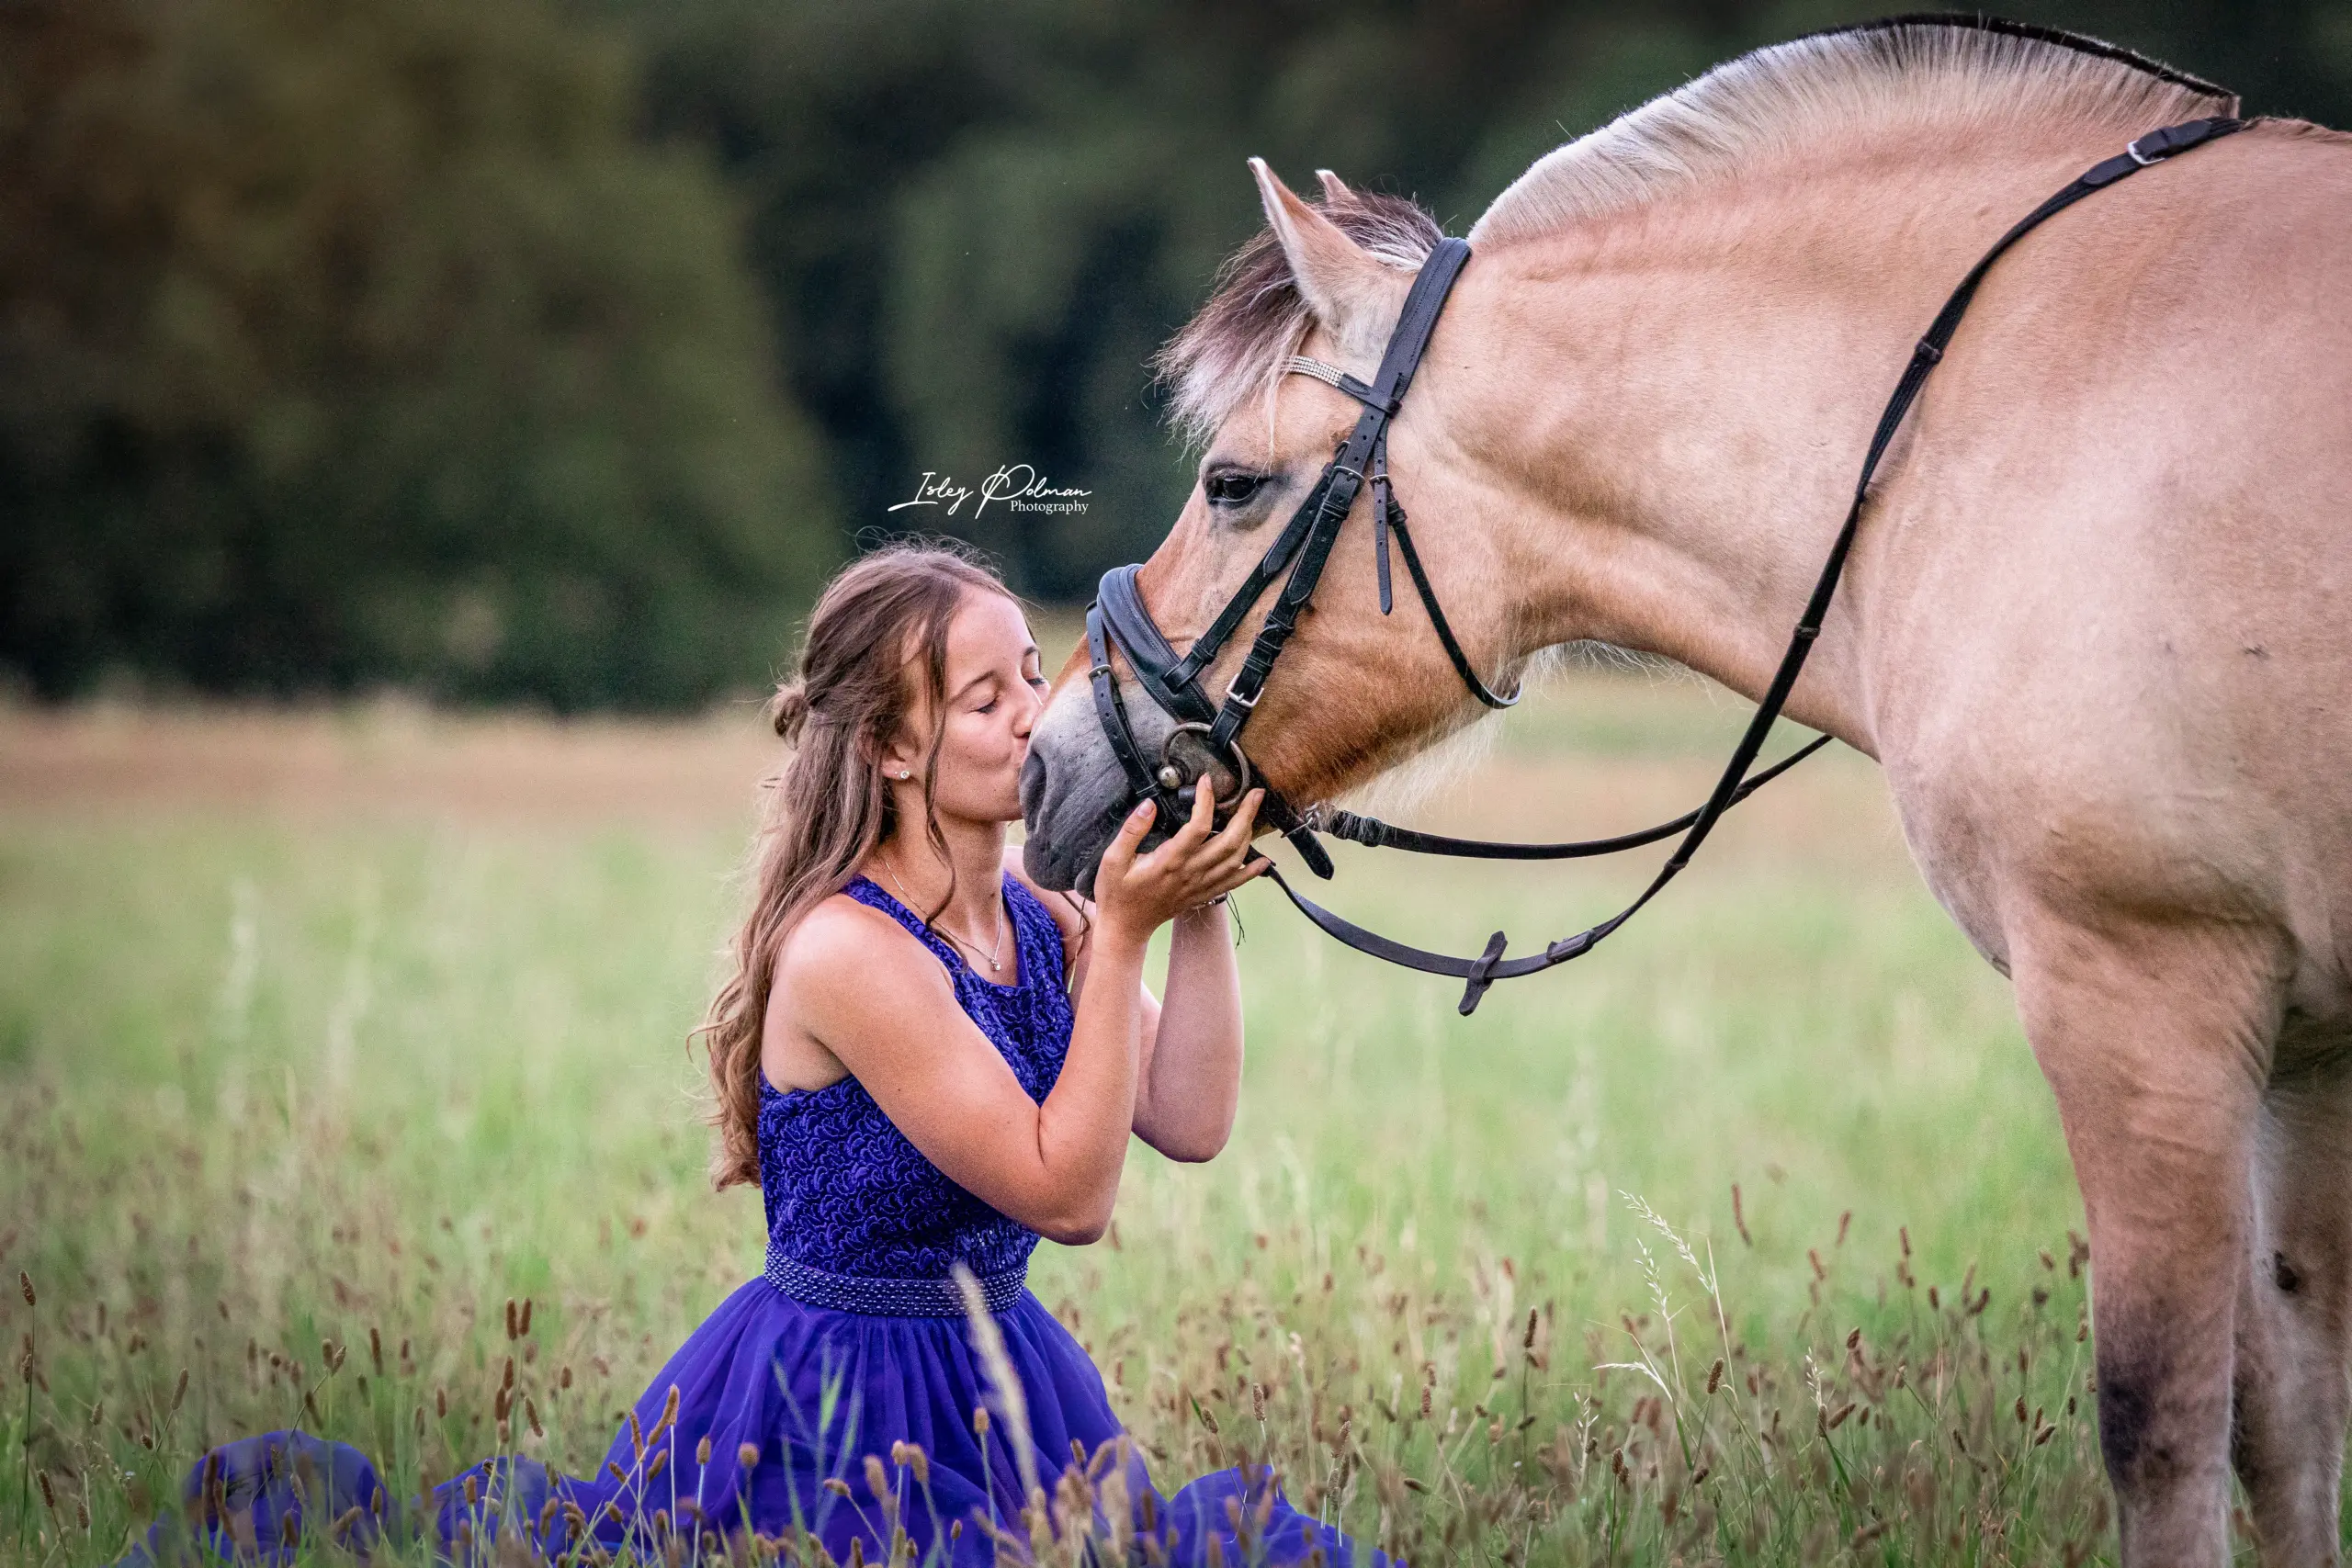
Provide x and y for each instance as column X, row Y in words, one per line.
column 847, row 1193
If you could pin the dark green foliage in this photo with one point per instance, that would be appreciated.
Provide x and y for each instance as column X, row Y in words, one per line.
column 364, row 342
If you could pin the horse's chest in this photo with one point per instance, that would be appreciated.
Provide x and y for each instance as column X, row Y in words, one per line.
column 1957, row 856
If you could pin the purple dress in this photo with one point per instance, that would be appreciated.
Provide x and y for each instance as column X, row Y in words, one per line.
column 836, row 1395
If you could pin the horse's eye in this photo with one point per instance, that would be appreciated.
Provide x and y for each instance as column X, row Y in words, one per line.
column 1232, row 490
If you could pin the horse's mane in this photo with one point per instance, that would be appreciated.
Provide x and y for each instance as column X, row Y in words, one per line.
column 1958, row 73
column 1256, row 316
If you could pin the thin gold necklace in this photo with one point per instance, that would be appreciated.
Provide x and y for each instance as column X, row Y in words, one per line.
column 994, row 955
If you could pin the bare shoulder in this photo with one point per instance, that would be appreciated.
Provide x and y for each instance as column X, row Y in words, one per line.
column 843, row 951
column 1070, row 911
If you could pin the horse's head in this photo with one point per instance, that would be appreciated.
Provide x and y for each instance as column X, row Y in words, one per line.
column 1355, row 691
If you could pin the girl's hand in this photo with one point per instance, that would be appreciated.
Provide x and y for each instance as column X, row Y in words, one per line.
column 1136, row 895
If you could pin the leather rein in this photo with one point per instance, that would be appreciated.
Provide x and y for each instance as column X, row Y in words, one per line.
column 1204, row 747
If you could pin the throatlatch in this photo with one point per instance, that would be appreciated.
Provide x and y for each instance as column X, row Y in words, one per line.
column 1204, row 748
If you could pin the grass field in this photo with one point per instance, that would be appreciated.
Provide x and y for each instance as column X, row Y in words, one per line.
column 321, row 1036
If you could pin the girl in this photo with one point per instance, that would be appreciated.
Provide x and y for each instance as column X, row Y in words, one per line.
column 926, row 1064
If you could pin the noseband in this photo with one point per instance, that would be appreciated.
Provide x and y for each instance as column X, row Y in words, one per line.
column 1204, row 750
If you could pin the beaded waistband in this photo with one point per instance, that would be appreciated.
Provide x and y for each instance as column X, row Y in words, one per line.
column 888, row 1297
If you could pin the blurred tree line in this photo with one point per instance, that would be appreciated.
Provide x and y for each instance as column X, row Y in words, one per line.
column 524, row 348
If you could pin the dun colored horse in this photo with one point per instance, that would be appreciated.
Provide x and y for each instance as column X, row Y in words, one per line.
column 2095, row 630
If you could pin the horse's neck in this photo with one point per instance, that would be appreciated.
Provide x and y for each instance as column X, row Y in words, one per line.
column 1698, row 398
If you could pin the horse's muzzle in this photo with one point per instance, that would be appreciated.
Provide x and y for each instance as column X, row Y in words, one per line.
column 1073, row 796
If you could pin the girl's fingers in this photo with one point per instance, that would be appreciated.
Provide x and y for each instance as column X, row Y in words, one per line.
column 1203, row 818
column 1177, row 848
column 1121, row 851
column 1238, row 830
column 1247, row 871
column 1222, row 856
column 1198, row 862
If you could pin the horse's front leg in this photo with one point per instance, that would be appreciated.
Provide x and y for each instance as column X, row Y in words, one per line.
column 2294, row 1312
column 2155, row 1037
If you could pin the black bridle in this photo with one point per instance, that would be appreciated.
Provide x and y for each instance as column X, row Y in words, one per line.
column 1204, row 749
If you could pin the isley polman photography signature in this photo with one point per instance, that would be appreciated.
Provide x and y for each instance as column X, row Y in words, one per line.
column 1019, row 485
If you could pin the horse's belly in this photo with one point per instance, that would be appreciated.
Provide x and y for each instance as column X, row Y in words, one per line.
column 2200, row 832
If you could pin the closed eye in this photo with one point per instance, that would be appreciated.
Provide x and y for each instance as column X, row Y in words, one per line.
column 1232, row 490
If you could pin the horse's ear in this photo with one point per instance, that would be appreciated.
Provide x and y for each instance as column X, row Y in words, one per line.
column 1354, row 297
column 1335, row 190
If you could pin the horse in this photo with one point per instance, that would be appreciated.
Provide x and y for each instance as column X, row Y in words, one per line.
column 2093, row 628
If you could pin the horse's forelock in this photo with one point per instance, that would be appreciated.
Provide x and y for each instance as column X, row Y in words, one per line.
column 1255, row 316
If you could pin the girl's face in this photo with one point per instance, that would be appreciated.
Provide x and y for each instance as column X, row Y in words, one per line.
column 995, row 691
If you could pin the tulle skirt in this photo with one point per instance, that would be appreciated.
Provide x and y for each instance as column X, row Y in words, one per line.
column 777, row 1425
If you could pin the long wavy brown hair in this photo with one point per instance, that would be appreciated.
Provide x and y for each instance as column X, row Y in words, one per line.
column 874, row 659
